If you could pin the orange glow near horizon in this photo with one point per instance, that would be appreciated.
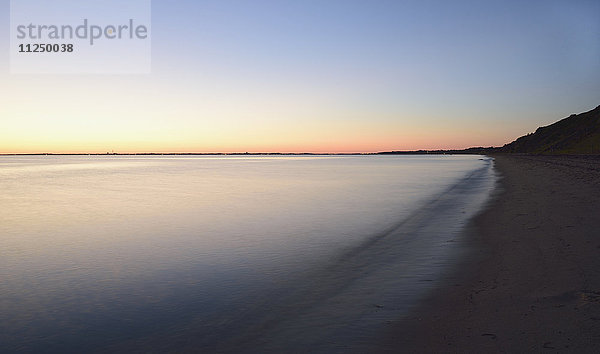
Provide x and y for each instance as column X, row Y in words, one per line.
column 133, row 131
column 297, row 146
column 137, row 115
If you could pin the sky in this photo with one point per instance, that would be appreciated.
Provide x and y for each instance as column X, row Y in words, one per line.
column 319, row 76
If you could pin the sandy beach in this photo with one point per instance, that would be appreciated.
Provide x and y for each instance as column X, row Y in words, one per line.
column 532, row 283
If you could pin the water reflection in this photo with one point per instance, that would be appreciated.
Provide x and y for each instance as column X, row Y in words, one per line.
column 111, row 252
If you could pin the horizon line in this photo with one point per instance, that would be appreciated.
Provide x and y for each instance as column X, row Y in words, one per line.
column 420, row 151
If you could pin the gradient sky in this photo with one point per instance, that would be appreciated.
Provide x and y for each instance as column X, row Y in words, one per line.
column 319, row 76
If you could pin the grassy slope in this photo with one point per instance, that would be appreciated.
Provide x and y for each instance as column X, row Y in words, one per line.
column 577, row 134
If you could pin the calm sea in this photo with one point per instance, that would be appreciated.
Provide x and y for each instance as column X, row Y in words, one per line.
column 232, row 254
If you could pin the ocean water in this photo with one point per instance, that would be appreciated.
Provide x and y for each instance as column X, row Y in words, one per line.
column 225, row 253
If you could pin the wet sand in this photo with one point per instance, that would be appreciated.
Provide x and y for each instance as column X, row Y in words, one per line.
column 532, row 283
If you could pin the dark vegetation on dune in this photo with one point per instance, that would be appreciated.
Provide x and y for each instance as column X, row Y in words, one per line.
column 579, row 134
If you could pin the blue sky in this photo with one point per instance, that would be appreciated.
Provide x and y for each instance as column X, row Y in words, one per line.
column 324, row 76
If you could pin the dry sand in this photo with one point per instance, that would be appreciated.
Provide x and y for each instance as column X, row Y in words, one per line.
column 533, row 282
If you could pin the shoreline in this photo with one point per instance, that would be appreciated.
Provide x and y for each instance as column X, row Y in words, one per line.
column 377, row 281
column 530, row 283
